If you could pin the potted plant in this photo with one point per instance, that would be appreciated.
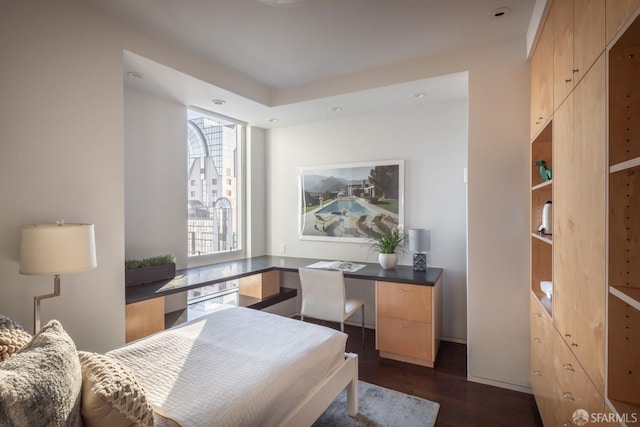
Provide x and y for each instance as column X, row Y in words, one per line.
column 387, row 245
column 152, row 269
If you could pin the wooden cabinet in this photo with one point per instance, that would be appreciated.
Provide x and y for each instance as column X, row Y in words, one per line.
column 568, row 330
column 261, row 285
column 623, row 318
column 542, row 371
column 408, row 321
column 578, row 40
column 143, row 318
column 542, row 79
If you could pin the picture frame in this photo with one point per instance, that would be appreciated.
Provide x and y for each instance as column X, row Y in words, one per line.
column 350, row 202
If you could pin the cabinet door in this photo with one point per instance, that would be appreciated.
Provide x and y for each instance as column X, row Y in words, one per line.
column 542, row 78
column 405, row 338
column 562, row 50
column 409, row 302
column 143, row 318
column 588, row 35
column 588, row 219
column 574, row 389
column 617, row 14
column 564, row 249
column 542, row 370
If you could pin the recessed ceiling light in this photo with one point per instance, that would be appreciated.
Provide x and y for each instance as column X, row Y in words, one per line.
column 336, row 109
column 501, row 12
column 135, row 75
column 283, row 3
column 418, row 95
column 219, row 101
column 273, row 120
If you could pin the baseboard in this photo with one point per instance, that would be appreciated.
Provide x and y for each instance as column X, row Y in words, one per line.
column 500, row 384
column 454, row 339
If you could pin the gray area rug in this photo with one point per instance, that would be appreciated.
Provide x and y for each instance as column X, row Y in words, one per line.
column 380, row 407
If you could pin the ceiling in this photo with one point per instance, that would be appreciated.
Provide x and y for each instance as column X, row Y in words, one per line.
column 286, row 47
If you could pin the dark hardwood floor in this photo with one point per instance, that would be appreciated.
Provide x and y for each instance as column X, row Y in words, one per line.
column 462, row 403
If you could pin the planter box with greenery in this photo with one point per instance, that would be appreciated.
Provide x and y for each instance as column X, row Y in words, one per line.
column 153, row 269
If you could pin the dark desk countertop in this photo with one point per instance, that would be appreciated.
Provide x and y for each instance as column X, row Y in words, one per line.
column 196, row 277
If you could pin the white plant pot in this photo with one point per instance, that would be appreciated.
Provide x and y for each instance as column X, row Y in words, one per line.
column 388, row 261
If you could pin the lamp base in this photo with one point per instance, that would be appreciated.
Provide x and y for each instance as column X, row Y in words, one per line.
column 419, row 262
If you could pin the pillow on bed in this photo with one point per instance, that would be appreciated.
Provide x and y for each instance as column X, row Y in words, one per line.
column 111, row 395
column 41, row 383
column 12, row 337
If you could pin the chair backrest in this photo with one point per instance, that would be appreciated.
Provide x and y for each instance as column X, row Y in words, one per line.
column 323, row 295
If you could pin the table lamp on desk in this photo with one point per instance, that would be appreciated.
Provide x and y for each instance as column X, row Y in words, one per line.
column 420, row 244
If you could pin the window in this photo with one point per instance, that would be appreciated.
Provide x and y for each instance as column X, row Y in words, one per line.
column 214, row 147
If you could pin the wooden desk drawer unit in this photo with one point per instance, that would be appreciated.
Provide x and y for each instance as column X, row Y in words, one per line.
column 408, row 322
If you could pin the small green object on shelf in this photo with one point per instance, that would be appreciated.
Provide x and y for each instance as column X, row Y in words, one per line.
column 545, row 172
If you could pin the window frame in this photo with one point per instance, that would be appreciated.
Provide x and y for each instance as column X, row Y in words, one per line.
column 241, row 162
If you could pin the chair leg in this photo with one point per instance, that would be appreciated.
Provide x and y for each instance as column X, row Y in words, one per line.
column 302, row 318
column 341, row 326
column 363, row 325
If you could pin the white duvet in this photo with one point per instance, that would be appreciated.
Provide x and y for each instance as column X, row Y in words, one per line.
column 234, row 367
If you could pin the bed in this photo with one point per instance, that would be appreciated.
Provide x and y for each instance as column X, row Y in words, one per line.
column 233, row 367
column 242, row 367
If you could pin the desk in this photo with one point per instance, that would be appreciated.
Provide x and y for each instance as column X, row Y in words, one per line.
column 406, row 301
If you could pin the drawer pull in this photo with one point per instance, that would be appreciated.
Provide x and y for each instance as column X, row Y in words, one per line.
column 568, row 367
column 568, row 395
column 573, row 344
column 537, row 373
column 403, row 290
column 403, row 326
column 537, row 314
column 567, row 80
column 538, row 340
column 567, row 424
column 567, row 335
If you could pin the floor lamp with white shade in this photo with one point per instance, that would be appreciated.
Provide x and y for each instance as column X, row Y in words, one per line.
column 55, row 249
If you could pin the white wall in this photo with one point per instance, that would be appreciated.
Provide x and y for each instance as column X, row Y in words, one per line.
column 155, row 177
column 433, row 142
column 62, row 157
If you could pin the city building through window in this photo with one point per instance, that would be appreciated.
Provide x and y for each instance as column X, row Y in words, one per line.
column 214, row 167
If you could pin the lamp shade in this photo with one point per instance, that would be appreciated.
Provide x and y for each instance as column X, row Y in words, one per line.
column 419, row 240
column 50, row 249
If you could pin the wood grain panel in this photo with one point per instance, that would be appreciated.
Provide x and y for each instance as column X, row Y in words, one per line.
column 410, row 302
column 617, row 14
column 261, row 285
column 405, row 338
column 574, row 389
column 542, row 77
column 587, row 216
column 562, row 51
column 143, row 318
column 565, row 251
column 588, row 35
column 542, row 372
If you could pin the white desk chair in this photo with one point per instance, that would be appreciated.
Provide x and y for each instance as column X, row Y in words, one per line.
column 323, row 297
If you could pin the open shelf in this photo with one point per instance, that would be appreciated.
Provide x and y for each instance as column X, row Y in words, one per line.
column 630, row 296
column 541, row 269
column 546, row 239
column 623, row 314
column 542, row 185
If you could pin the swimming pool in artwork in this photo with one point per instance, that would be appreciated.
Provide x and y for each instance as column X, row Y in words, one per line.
column 353, row 207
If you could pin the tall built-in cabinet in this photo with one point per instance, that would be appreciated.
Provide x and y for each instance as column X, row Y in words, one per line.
column 573, row 366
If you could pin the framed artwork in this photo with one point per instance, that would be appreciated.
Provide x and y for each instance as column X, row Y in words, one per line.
column 352, row 202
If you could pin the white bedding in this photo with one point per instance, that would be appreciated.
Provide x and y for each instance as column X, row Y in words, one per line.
column 234, row 367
